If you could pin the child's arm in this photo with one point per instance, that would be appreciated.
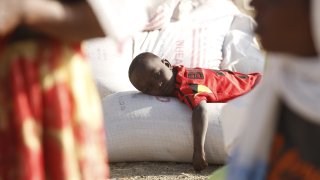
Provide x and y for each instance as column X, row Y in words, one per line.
column 70, row 22
column 199, row 126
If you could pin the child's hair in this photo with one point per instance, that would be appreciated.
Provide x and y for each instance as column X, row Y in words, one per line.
column 138, row 59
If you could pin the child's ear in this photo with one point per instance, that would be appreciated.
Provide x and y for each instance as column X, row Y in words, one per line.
column 166, row 62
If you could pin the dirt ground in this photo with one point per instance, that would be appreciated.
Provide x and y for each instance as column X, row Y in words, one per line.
column 157, row 171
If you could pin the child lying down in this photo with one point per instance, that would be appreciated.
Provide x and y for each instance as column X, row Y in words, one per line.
column 194, row 86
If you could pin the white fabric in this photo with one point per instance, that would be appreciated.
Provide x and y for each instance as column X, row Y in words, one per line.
column 140, row 127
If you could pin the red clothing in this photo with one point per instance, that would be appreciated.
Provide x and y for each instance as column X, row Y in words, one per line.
column 51, row 124
column 197, row 84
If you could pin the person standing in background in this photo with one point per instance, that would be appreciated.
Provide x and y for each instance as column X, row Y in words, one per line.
column 284, row 109
column 51, row 125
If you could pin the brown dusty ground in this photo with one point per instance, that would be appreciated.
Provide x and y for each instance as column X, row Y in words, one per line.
column 157, row 171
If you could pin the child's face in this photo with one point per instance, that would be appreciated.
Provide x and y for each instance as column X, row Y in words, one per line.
column 154, row 76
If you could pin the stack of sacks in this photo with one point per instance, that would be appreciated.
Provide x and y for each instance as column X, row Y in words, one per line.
column 148, row 128
column 211, row 34
column 206, row 33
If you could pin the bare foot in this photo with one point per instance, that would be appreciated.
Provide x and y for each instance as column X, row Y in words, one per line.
column 199, row 161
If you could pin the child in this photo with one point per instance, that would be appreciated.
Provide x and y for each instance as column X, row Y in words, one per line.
column 195, row 87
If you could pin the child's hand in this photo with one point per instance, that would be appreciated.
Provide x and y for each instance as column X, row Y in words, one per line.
column 10, row 15
column 199, row 161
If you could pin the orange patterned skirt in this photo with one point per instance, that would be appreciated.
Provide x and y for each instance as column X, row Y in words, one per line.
column 51, row 124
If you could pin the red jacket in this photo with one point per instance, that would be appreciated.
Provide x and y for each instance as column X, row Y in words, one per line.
column 197, row 84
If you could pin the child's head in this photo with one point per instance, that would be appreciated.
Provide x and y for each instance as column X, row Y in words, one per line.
column 152, row 75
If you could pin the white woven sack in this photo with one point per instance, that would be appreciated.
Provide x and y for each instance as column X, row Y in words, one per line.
column 110, row 63
column 196, row 40
column 147, row 128
column 214, row 35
